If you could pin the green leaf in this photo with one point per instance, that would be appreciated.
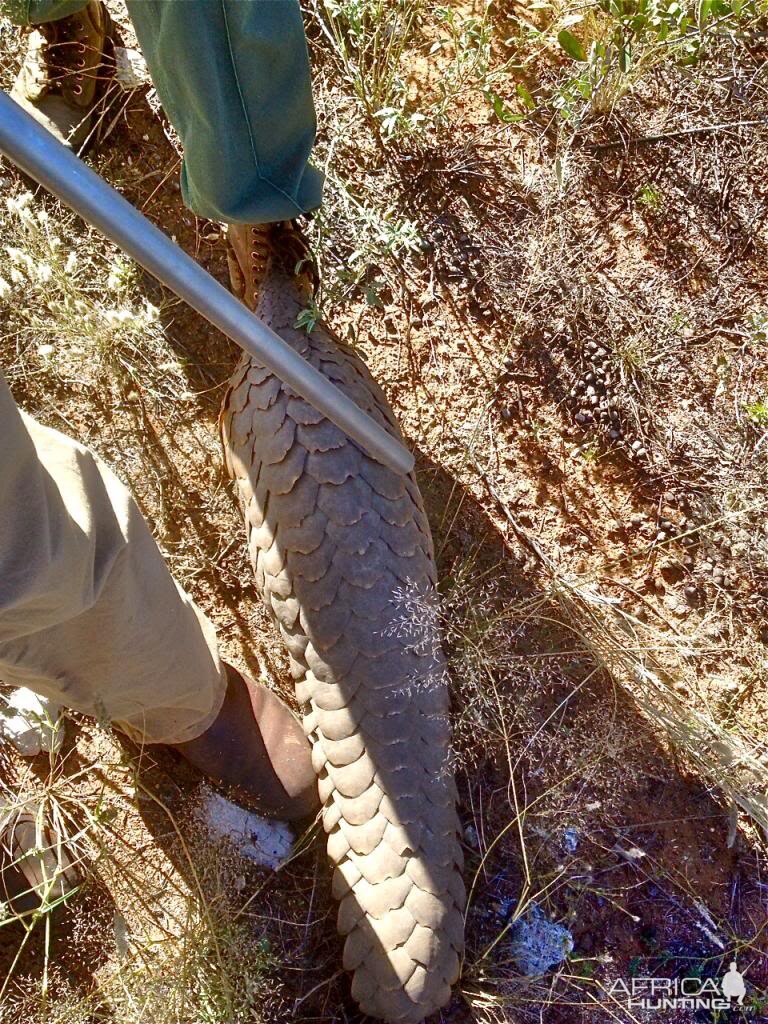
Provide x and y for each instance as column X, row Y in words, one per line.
column 527, row 100
column 307, row 318
column 571, row 45
column 705, row 10
column 498, row 105
column 625, row 57
column 500, row 110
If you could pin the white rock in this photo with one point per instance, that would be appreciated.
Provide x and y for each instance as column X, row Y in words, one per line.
column 131, row 69
column 262, row 840
column 32, row 724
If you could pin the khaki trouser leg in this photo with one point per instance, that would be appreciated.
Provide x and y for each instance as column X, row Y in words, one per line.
column 89, row 613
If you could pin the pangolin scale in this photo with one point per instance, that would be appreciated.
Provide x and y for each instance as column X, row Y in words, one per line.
column 344, row 561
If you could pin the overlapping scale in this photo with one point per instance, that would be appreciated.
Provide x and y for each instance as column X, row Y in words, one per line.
column 335, row 537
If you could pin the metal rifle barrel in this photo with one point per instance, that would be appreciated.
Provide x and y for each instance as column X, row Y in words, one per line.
column 32, row 148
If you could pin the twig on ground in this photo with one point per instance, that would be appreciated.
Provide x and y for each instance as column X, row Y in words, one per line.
column 642, row 140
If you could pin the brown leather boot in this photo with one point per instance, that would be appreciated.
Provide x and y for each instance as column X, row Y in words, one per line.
column 253, row 248
column 64, row 73
column 36, row 866
column 257, row 747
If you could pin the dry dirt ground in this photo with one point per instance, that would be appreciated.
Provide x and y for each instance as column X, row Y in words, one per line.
column 562, row 288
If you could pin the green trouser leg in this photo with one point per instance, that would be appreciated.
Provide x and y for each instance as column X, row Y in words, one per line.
column 233, row 77
column 33, row 12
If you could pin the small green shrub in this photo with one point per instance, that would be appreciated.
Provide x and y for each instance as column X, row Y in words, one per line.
column 634, row 36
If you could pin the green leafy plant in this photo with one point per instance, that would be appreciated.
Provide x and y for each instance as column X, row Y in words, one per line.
column 758, row 328
column 308, row 317
column 758, row 412
column 650, row 197
column 369, row 38
column 468, row 40
column 502, row 112
column 633, row 36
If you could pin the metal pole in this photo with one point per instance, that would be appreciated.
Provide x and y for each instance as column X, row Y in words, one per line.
column 28, row 145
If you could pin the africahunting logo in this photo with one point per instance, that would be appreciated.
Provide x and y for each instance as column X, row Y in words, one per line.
column 728, row 993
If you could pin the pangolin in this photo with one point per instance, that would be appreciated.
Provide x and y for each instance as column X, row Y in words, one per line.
column 344, row 561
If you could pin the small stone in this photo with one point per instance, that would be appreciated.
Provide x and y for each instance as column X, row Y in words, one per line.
column 471, row 837
column 259, row 839
column 570, row 839
column 130, row 68
column 30, row 723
